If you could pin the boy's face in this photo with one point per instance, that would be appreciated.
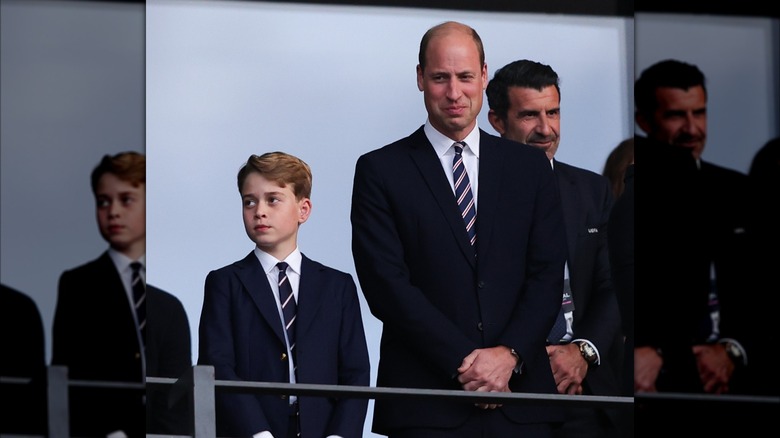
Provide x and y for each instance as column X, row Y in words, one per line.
column 272, row 215
column 121, row 214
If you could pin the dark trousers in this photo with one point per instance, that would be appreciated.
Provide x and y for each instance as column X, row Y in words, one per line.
column 293, row 428
column 488, row 423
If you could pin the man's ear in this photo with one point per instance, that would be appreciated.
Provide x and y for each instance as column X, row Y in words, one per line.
column 642, row 121
column 496, row 122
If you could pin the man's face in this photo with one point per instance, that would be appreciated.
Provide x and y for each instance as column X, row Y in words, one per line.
column 679, row 119
column 121, row 214
column 272, row 214
column 453, row 83
column 534, row 118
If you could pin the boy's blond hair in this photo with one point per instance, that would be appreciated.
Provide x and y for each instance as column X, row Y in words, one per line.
column 281, row 168
column 127, row 166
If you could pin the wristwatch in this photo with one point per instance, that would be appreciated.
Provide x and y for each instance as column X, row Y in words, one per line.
column 519, row 367
column 588, row 353
column 734, row 352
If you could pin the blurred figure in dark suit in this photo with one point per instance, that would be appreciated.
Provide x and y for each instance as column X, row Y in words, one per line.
column 23, row 406
column 100, row 327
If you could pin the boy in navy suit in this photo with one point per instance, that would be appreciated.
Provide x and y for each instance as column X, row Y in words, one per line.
column 100, row 331
column 248, row 332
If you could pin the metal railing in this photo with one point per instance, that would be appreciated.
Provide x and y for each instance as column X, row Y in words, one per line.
column 198, row 386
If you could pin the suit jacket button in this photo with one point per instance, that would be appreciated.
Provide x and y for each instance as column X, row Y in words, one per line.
column 479, row 326
column 481, row 284
column 284, row 397
column 284, row 356
column 137, row 354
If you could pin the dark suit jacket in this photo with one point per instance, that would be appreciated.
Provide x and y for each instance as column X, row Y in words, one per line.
column 694, row 218
column 241, row 336
column 437, row 301
column 23, row 407
column 168, row 354
column 587, row 201
column 95, row 336
column 621, row 256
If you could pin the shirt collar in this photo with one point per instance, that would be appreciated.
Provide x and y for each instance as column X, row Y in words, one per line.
column 122, row 262
column 268, row 262
column 442, row 144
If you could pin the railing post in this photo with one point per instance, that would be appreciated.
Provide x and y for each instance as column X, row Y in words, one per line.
column 203, row 400
column 57, row 401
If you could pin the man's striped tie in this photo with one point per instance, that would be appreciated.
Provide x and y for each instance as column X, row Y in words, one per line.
column 463, row 193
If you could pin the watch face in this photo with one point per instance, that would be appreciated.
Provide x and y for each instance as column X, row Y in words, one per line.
column 587, row 352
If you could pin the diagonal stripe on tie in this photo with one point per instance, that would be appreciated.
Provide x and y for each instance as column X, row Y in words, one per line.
column 463, row 193
column 139, row 298
column 289, row 307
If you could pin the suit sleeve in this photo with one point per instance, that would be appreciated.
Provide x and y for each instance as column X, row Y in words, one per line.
column 63, row 328
column 601, row 322
column 353, row 369
column 242, row 413
column 168, row 354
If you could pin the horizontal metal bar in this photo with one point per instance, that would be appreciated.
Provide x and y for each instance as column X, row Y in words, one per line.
column 710, row 398
column 395, row 393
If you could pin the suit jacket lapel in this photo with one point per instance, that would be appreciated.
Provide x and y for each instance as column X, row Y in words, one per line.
column 571, row 209
column 491, row 173
column 427, row 162
column 250, row 273
column 310, row 295
column 108, row 275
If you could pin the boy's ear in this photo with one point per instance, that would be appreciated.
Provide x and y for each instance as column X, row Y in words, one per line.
column 304, row 210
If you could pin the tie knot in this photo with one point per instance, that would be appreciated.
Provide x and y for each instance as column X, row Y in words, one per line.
column 282, row 267
column 136, row 267
column 458, row 146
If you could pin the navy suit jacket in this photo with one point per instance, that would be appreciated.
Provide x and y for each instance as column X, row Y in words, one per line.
column 168, row 354
column 95, row 336
column 437, row 300
column 697, row 218
column 241, row 335
column 587, row 202
column 620, row 240
column 23, row 345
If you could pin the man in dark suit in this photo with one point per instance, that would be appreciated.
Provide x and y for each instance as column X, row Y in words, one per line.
column 23, row 405
column 459, row 310
column 242, row 331
column 97, row 332
column 693, row 306
column 586, row 353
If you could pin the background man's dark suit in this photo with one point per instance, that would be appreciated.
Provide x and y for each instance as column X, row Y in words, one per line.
column 330, row 343
column 95, row 336
column 586, row 198
column 621, row 257
column 693, row 217
column 23, row 407
column 420, row 277
column 697, row 217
